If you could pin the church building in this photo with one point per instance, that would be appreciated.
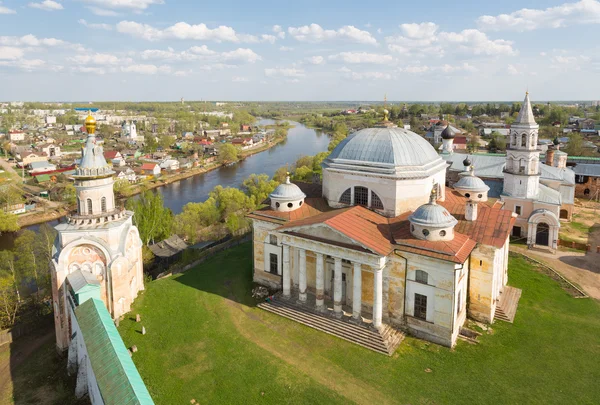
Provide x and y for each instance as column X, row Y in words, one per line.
column 383, row 244
column 98, row 251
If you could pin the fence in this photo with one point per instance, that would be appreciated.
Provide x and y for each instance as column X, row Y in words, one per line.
column 578, row 246
column 241, row 236
column 9, row 335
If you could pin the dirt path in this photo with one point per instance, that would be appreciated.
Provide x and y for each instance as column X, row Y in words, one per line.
column 18, row 353
column 582, row 269
column 9, row 169
column 303, row 358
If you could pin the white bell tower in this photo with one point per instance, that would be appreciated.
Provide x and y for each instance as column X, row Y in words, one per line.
column 522, row 170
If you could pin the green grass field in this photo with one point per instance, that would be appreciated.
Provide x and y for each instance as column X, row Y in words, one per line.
column 206, row 341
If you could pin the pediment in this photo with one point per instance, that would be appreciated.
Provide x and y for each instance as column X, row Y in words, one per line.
column 326, row 232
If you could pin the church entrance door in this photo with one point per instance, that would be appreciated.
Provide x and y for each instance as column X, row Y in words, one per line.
column 542, row 236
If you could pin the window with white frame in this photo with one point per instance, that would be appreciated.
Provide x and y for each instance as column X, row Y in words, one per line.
column 273, row 263
column 420, row 310
column 518, row 209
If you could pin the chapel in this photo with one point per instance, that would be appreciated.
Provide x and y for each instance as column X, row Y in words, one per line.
column 383, row 243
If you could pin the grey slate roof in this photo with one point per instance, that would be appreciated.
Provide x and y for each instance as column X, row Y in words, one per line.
column 287, row 191
column 81, row 279
column 168, row 247
column 548, row 195
column 432, row 214
column 583, row 169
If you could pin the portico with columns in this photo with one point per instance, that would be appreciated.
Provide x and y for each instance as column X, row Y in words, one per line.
column 340, row 277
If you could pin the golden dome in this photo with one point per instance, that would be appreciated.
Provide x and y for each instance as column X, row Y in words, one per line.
column 90, row 124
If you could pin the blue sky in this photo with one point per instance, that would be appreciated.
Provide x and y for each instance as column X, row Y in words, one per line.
column 311, row 50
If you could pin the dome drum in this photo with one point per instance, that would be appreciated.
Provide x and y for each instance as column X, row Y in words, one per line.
column 432, row 221
column 472, row 187
column 287, row 197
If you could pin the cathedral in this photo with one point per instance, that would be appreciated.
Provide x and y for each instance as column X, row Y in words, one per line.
column 98, row 251
column 383, row 243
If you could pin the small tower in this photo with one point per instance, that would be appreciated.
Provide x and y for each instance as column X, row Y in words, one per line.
column 287, row 196
column 447, row 141
column 432, row 221
column 475, row 190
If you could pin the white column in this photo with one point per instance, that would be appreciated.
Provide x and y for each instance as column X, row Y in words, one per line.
column 377, row 297
column 287, row 281
column 337, row 287
column 302, row 276
column 356, row 291
column 320, row 282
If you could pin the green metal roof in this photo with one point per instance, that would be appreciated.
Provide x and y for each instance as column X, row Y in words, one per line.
column 118, row 379
column 82, row 281
column 42, row 178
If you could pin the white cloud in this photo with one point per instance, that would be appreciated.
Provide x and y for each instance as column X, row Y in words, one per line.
column 582, row 12
column 315, row 60
column 239, row 79
column 362, row 57
column 99, row 59
column 11, row 53
column 370, row 76
column 48, row 5
column 89, row 69
column 141, row 69
column 185, row 31
column 464, row 67
column 512, row 70
column 415, row 69
column 26, row 64
column 33, row 41
column 284, row 72
column 6, row 10
column 135, row 5
column 96, row 26
column 315, row 33
column 424, row 39
column 285, row 49
column 268, row 38
column 279, row 31
column 202, row 53
column 103, row 12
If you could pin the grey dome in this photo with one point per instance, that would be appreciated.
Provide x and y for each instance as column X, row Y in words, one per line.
column 447, row 133
column 471, row 183
column 287, row 192
column 467, row 161
column 386, row 150
column 432, row 215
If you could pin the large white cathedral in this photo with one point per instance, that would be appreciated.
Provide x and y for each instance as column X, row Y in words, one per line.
column 98, row 251
column 383, row 243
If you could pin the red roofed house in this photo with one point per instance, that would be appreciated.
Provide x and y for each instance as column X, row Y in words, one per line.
column 150, row 169
column 460, row 143
column 383, row 246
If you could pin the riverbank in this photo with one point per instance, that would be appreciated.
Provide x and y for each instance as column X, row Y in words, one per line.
column 52, row 214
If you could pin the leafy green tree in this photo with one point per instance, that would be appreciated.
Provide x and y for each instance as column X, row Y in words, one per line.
column 9, row 301
column 153, row 219
column 258, row 187
column 575, row 145
column 150, row 143
column 228, row 153
column 166, row 141
column 8, row 222
column 280, row 174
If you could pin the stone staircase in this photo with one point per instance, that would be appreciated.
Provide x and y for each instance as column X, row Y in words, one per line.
column 507, row 304
column 384, row 341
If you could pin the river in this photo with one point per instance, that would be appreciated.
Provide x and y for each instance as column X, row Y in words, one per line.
column 301, row 141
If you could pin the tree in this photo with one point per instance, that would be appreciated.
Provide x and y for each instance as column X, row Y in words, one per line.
column 9, row 301
column 153, row 219
column 473, row 144
column 8, row 222
column 228, row 153
column 166, row 141
column 258, row 187
column 150, row 143
column 26, row 262
column 9, row 268
column 575, row 145
column 280, row 174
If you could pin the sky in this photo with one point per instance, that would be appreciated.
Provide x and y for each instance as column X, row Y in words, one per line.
column 163, row 50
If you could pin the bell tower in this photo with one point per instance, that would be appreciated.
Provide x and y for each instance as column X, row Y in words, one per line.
column 522, row 169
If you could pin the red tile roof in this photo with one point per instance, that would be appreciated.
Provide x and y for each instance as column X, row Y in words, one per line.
column 111, row 154
column 383, row 235
column 492, row 227
column 148, row 166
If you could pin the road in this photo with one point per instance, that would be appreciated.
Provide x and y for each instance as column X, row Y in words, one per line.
column 7, row 167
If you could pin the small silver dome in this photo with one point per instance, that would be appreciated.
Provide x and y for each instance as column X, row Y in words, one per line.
column 432, row 215
column 287, row 192
column 471, row 183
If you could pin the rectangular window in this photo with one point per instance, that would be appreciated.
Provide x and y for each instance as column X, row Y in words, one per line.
column 273, row 239
column 361, row 196
column 458, row 304
column 273, row 263
column 518, row 209
column 420, row 306
column 421, row 276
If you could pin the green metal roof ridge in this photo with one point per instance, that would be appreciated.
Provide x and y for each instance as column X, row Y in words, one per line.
column 118, row 379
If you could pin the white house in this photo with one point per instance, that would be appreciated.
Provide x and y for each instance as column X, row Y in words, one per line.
column 170, row 164
column 41, row 167
column 16, row 136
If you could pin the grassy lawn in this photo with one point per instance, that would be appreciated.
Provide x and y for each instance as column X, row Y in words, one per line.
column 206, row 341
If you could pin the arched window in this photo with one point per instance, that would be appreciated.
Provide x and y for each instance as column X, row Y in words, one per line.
column 421, row 276
column 346, row 197
column 361, row 196
column 89, row 206
column 376, row 201
column 103, row 204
